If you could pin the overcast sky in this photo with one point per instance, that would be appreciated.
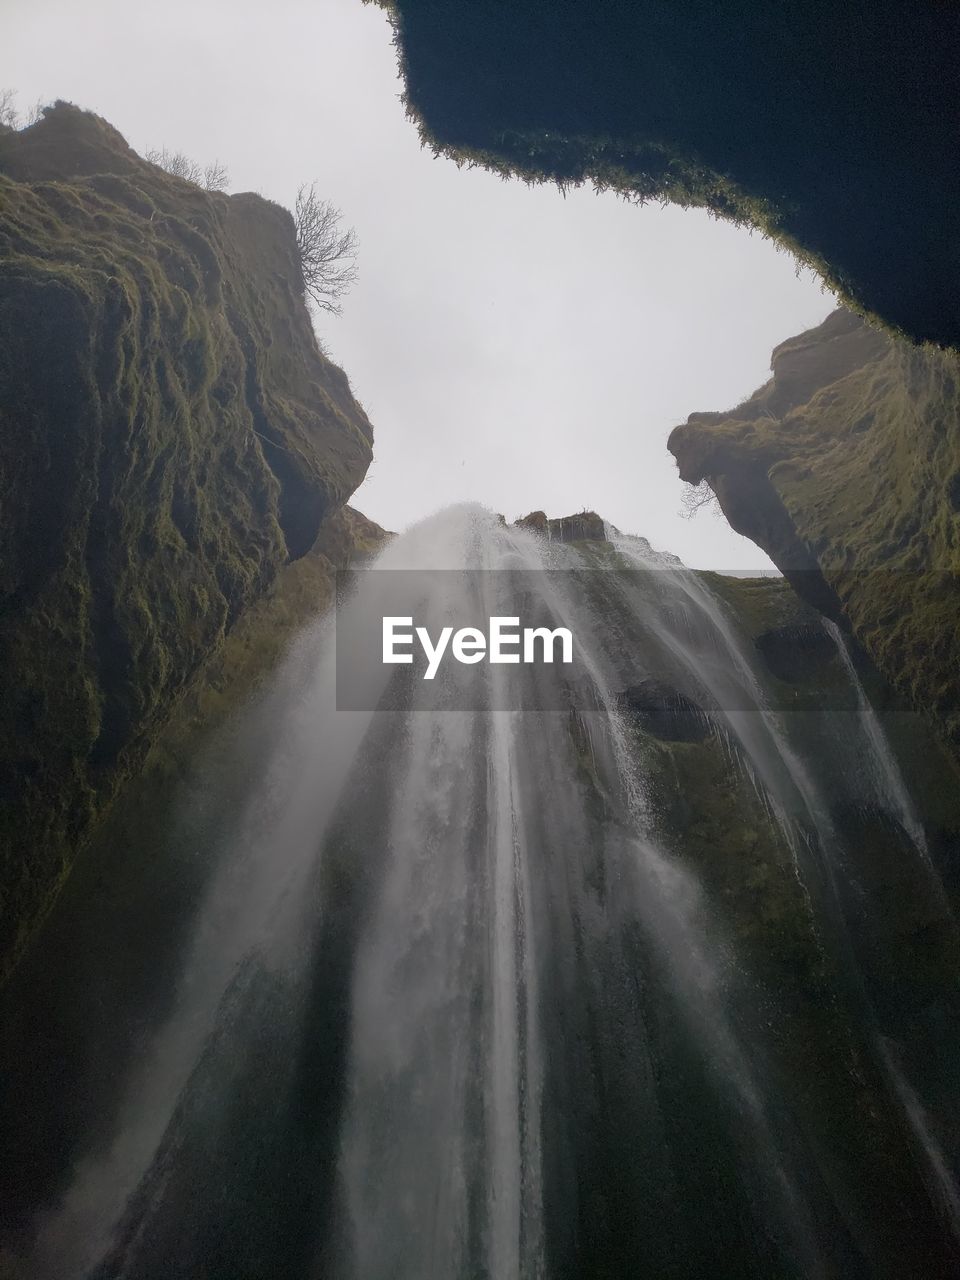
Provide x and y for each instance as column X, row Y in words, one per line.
column 509, row 345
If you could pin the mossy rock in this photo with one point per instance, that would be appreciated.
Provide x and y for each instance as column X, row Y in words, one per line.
column 170, row 437
column 536, row 522
column 832, row 128
column 584, row 526
column 842, row 467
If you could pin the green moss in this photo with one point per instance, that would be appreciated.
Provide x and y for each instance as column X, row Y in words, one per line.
column 759, row 604
column 170, row 438
column 231, row 675
column 842, row 469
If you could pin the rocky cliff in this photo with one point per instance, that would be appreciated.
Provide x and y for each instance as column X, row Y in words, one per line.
column 845, row 468
column 170, row 438
column 583, row 526
column 830, row 126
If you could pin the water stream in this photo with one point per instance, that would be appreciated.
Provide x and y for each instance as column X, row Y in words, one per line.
column 470, row 990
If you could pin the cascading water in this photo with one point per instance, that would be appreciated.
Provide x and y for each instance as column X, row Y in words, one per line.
column 495, row 992
column 887, row 779
column 886, row 772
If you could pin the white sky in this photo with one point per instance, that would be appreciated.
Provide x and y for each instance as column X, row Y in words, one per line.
column 510, row 346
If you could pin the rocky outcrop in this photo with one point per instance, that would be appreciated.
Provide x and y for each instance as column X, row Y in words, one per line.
column 585, row 526
column 845, row 468
column 170, row 438
column 831, row 127
column 536, row 522
column 252, row 649
column 232, row 676
column 663, row 711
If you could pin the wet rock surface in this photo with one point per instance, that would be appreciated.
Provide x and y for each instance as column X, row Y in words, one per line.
column 665, row 712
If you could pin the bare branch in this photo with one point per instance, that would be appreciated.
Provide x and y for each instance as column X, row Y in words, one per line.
column 216, row 177
column 698, row 497
column 175, row 163
column 327, row 252
column 212, row 177
column 12, row 118
column 9, row 115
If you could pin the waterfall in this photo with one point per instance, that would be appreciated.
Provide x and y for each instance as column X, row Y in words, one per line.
column 870, row 743
column 886, row 771
column 475, row 987
column 889, row 780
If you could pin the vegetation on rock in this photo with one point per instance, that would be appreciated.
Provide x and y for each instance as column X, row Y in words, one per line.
column 844, row 467
column 830, row 127
column 212, row 177
column 327, row 252
column 170, row 438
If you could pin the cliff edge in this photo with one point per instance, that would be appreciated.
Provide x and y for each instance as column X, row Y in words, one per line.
column 845, row 469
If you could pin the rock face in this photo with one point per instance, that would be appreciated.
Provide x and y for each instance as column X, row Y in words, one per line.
column 845, row 468
column 585, row 526
column 536, row 522
column 251, row 650
column 170, row 438
column 795, row 653
column 664, row 712
column 831, row 127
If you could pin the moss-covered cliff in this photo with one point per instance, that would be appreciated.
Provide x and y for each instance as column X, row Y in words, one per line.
column 845, row 468
column 830, row 126
column 170, row 438
column 251, row 651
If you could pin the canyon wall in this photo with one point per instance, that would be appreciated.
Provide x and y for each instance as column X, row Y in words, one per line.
column 845, row 468
column 170, row 438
